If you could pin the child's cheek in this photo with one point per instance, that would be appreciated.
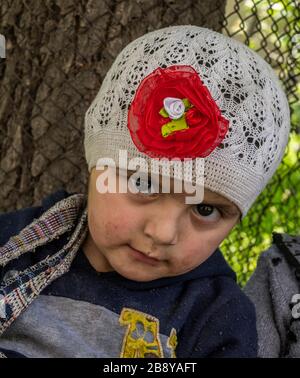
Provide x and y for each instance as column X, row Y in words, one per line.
column 110, row 228
column 193, row 256
column 102, row 229
column 188, row 258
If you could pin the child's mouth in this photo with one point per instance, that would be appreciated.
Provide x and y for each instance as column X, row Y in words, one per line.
column 142, row 257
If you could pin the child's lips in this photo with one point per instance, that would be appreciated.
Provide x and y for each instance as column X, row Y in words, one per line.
column 143, row 257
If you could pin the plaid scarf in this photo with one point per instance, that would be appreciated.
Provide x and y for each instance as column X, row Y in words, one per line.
column 16, row 293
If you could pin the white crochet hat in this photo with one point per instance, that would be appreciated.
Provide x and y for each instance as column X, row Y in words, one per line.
column 242, row 155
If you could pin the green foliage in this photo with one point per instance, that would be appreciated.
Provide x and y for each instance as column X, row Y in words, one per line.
column 277, row 208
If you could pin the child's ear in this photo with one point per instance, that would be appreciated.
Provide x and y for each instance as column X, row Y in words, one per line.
column 89, row 182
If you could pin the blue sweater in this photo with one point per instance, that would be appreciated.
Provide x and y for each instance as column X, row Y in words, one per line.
column 202, row 313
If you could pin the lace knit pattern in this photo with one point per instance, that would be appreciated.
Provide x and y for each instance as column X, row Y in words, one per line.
column 243, row 85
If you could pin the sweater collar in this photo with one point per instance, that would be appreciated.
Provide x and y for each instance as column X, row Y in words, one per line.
column 215, row 265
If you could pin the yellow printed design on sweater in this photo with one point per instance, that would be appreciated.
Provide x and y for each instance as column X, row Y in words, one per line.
column 172, row 342
column 142, row 335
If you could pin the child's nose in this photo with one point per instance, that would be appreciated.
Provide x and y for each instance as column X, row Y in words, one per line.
column 163, row 227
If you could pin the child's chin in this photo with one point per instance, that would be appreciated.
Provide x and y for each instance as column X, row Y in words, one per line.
column 138, row 276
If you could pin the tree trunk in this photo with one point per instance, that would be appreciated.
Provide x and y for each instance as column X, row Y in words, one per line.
column 57, row 54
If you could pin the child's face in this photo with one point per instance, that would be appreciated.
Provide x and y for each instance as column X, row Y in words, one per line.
column 125, row 227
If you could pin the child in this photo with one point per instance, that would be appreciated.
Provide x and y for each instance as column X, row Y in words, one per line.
column 274, row 289
column 139, row 273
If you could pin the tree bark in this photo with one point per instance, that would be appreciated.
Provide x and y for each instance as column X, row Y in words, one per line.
column 57, row 54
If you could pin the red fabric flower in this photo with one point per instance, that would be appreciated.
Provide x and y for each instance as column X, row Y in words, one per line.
column 206, row 125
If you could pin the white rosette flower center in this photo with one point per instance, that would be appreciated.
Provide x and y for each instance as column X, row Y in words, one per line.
column 174, row 107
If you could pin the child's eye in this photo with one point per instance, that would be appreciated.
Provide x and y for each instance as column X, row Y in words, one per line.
column 208, row 212
column 142, row 185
